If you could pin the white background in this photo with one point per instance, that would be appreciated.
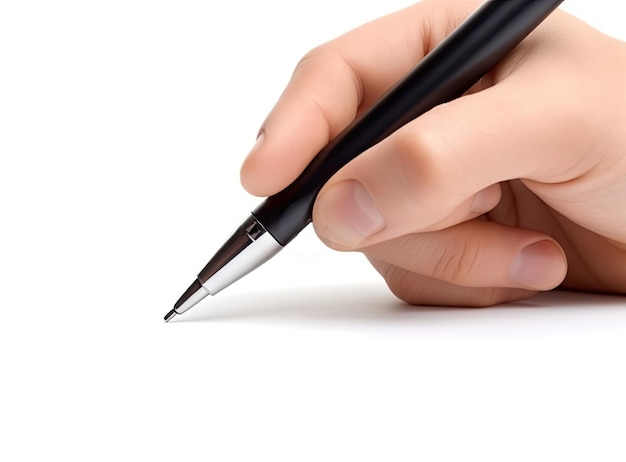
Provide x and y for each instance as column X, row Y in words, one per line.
column 122, row 127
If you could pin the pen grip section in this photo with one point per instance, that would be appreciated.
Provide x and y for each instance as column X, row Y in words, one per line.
column 248, row 248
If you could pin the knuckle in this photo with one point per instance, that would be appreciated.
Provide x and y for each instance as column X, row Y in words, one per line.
column 323, row 61
column 414, row 289
column 457, row 264
column 418, row 161
column 403, row 284
column 310, row 57
column 417, row 290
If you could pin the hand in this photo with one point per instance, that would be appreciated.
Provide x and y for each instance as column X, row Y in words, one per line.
column 518, row 186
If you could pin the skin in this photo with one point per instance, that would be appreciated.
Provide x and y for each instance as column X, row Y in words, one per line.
column 519, row 186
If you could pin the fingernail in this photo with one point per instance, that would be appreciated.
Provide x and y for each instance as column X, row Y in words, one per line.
column 347, row 214
column 539, row 266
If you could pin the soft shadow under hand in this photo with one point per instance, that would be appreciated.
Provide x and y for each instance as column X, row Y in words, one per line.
column 353, row 302
column 373, row 303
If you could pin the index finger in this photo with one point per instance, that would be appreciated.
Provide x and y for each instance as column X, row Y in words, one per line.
column 333, row 83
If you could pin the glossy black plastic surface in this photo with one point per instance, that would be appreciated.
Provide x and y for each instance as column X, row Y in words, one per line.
column 447, row 72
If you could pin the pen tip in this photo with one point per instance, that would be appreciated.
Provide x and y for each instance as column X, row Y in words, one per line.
column 170, row 315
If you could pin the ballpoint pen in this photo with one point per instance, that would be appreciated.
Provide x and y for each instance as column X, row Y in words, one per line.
column 445, row 73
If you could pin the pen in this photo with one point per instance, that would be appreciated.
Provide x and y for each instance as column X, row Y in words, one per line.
column 448, row 71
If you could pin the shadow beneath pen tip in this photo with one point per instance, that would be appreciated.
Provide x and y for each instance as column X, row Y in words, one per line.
column 352, row 302
column 373, row 303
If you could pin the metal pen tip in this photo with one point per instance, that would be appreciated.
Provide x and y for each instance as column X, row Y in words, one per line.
column 170, row 315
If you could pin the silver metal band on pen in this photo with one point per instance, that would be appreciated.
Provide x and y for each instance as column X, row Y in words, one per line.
column 248, row 248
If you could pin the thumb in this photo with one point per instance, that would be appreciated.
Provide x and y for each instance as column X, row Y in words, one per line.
column 444, row 167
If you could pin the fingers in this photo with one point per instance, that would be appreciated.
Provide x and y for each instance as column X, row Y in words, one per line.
column 333, row 83
column 440, row 169
column 308, row 114
column 474, row 263
column 416, row 289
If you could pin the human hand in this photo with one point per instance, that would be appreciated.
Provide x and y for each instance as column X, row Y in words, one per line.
column 516, row 187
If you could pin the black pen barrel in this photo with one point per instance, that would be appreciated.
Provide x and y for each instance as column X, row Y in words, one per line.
column 446, row 73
